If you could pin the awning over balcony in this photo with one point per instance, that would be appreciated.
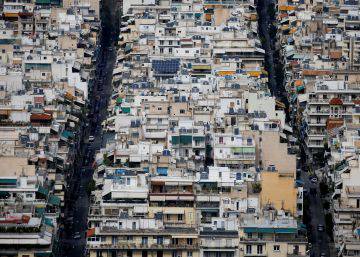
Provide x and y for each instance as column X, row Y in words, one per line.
column 48, row 222
column 8, row 181
column 43, row 191
column 162, row 171
column 90, row 232
column 43, row 254
column 54, row 200
column 271, row 230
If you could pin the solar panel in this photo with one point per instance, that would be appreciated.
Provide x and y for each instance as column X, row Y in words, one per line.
column 166, row 66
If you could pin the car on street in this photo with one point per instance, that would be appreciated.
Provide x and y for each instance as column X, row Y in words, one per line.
column 91, row 139
column 77, row 235
column 322, row 254
column 320, row 228
column 314, row 180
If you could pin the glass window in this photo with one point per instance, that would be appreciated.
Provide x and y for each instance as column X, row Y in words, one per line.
column 248, row 249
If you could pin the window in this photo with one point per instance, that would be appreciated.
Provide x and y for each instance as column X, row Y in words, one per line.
column 189, row 254
column 175, row 241
column 189, row 241
column 180, row 217
column 170, row 50
column 221, row 140
column 249, row 235
column 182, row 111
column 261, row 236
column 161, row 42
column 159, row 108
column 259, row 249
column 248, row 249
column 159, row 240
column 29, row 195
column 129, row 254
column 161, row 50
column 127, row 181
column 276, row 248
column 296, row 249
column 43, row 74
column 144, row 254
column 3, row 51
column 129, row 238
column 144, row 240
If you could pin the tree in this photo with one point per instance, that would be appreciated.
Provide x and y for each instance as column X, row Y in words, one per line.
column 91, row 187
column 256, row 187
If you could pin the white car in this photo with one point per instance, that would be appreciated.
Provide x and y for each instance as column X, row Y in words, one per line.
column 314, row 180
column 91, row 138
column 77, row 235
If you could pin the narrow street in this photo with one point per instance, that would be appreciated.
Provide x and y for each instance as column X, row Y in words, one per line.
column 318, row 239
column 72, row 233
column 268, row 44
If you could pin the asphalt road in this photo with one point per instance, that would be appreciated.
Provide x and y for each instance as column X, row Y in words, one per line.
column 319, row 240
column 76, row 196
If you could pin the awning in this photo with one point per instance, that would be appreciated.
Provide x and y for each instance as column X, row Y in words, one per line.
column 67, row 134
column 43, row 254
column 119, row 100
column 10, row 15
column 43, row 190
column 90, row 232
column 128, row 47
column 173, row 211
column 48, row 222
column 4, row 194
column 300, row 88
column 125, row 109
column 43, row 1
column 226, row 73
column 6, row 181
column 271, row 230
column 162, row 171
column 54, row 200
column 283, row 135
column 39, row 211
column 184, row 236
column 201, row 67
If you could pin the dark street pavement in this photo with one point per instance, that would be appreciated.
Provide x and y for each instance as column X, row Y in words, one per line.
column 76, row 196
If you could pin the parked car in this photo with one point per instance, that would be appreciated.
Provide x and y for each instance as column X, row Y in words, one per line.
column 320, row 228
column 91, row 139
column 77, row 235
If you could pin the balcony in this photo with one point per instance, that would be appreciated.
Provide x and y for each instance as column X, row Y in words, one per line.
column 155, row 135
column 126, row 246
column 219, row 243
